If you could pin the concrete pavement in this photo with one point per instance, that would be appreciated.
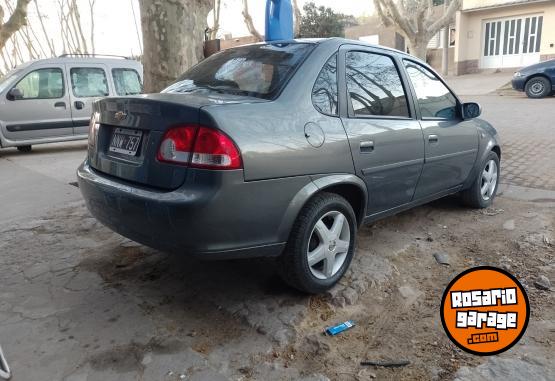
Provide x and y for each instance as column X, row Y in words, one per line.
column 478, row 84
column 35, row 182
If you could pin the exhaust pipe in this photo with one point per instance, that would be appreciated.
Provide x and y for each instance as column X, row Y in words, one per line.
column 5, row 373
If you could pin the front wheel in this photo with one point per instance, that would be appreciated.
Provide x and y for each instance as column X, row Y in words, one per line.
column 538, row 87
column 482, row 192
column 321, row 245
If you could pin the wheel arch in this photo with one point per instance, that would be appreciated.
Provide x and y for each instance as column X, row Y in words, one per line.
column 349, row 186
column 492, row 145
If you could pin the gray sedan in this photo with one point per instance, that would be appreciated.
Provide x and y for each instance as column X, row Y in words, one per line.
column 283, row 150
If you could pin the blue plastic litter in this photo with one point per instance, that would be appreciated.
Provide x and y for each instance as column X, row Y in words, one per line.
column 336, row 329
column 279, row 20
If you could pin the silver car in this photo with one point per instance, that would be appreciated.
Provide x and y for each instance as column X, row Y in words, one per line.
column 50, row 100
column 283, row 150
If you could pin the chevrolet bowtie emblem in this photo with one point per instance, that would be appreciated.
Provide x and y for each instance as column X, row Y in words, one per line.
column 120, row 115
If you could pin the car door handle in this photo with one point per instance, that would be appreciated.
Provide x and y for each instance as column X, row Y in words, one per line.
column 60, row 104
column 79, row 105
column 367, row 146
column 433, row 139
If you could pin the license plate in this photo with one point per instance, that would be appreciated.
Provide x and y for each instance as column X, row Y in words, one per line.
column 125, row 141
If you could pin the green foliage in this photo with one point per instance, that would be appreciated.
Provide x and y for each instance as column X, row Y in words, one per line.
column 323, row 22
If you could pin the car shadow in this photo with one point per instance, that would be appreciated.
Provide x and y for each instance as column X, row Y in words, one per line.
column 45, row 149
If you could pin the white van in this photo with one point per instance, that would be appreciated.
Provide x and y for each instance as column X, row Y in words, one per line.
column 49, row 100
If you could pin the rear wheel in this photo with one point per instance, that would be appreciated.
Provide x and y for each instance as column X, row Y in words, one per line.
column 321, row 245
column 483, row 190
column 24, row 148
column 538, row 87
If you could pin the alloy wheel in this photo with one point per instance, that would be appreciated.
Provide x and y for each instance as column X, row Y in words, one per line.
column 489, row 180
column 328, row 245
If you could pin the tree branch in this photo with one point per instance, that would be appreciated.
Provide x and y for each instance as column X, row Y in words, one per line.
column 248, row 21
column 445, row 20
column 16, row 21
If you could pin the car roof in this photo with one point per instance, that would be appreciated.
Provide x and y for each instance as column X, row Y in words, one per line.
column 76, row 59
column 337, row 41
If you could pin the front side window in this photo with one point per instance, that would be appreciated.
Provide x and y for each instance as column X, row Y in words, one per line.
column 374, row 85
column 256, row 70
column 127, row 81
column 324, row 93
column 434, row 98
column 42, row 84
column 89, row 82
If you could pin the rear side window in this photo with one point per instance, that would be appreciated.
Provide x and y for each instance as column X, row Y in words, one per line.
column 434, row 98
column 374, row 85
column 127, row 81
column 89, row 82
column 324, row 93
column 42, row 84
column 254, row 70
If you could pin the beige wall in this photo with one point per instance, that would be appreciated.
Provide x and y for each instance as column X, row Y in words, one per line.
column 469, row 27
column 471, row 4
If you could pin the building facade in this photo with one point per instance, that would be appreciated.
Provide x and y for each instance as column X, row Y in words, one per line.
column 496, row 34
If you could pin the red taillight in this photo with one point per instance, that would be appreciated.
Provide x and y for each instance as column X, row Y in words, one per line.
column 215, row 150
column 199, row 147
column 93, row 129
column 177, row 144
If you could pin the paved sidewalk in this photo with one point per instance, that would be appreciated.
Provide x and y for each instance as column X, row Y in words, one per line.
column 478, row 84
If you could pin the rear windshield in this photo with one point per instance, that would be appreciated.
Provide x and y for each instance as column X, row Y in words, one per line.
column 255, row 70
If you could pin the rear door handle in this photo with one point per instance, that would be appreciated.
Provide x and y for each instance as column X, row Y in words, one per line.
column 433, row 139
column 367, row 146
column 79, row 105
column 60, row 104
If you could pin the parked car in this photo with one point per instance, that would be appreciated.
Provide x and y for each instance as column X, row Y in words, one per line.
column 536, row 80
column 50, row 100
column 283, row 150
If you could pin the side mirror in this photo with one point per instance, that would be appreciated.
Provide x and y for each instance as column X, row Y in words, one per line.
column 471, row 110
column 15, row 94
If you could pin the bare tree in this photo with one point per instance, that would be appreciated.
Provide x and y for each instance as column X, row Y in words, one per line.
column 249, row 23
column 92, row 4
column 16, row 21
column 35, row 40
column 298, row 18
column 215, row 19
column 415, row 20
column 173, row 36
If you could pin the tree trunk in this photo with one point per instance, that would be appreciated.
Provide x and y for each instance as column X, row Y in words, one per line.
column 418, row 49
column 173, row 36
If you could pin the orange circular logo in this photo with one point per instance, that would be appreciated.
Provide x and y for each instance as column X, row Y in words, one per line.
column 485, row 310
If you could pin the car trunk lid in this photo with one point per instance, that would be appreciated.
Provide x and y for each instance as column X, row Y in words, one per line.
column 131, row 129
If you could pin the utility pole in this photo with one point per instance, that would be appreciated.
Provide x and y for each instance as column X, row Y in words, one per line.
column 445, row 50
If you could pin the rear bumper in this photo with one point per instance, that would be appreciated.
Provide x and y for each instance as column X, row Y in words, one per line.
column 215, row 215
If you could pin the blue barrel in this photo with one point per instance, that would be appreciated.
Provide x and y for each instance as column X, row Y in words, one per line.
column 279, row 20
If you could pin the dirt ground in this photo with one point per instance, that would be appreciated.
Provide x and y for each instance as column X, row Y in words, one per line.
column 82, row 303
column 398, row 316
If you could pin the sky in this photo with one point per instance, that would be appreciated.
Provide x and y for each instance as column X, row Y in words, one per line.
column 116, row 30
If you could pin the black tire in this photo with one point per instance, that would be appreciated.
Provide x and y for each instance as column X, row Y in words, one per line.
column 538, row 87
column 472, row 196
column 293, row 263
column 24, row 148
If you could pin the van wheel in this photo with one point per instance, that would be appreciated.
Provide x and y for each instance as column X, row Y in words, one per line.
column 321, row 245
column 538, row 87
column 482, row 192
column 24, row 148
